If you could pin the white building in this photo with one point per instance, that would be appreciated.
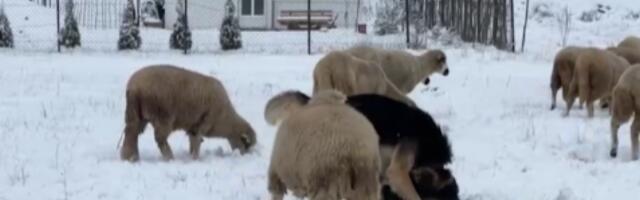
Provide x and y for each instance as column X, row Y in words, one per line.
column 259, row 14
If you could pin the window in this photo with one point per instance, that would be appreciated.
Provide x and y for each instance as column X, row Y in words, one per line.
column 246, row 7
column 258, row 7
column 252, row 7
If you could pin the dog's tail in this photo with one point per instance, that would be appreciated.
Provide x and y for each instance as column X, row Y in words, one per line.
column 282, row 105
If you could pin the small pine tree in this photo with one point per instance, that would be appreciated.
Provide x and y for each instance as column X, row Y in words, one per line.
column 6, row 35
column 129, row 33
column 70, row 35
column 181, row 36
column 230, row 30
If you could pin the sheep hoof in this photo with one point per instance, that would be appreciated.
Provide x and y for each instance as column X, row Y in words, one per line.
column 613, row 153
column 553, row 107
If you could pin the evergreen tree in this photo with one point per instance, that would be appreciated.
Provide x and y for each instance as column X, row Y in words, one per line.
column 129, row 33
column 230, row 30
column 70, row 35
column 6, row 35
column 181, row 36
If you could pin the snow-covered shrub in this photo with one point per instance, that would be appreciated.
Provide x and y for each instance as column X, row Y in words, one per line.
column 230, row 30
column 632, row 15
column 6, row 35
column 70, row 35
column 594, row 14
column 541, row 11
column 389, row 15
column 181, row 36
column 129, row 33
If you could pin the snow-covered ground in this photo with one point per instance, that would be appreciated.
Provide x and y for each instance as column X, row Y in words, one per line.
column 61, row 115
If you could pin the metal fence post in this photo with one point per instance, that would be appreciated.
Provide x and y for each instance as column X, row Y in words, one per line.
column 186, row 19
column 58, row 24
column 406, row 11
column 138, row 14
column 513, row 30
column 309, row 27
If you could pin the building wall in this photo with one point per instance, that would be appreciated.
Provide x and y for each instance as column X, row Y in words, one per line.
column 207, row 14
column 203, row 14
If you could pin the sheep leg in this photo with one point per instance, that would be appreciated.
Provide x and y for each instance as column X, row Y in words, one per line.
column 590, row 109
column 569, row 102
column 615, row 125
column 129, row 149
column 554, row 92
column 635, row 131
column 194, row 145
column 275, row 186
column 161, row 136
column 605, row 101
column 397, row 173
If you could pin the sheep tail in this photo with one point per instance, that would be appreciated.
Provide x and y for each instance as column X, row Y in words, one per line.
column 282, row 105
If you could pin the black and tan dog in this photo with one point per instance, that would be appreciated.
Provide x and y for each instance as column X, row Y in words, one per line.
column 413, row 148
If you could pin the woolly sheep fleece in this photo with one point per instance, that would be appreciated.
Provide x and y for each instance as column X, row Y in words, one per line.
column 351, row 76
column 403, row 69
column 172, row 98
column 596, row 73
column 626, row 102
column 562, row 72
column 325, row 150
column 631, row 42
column 631, row 55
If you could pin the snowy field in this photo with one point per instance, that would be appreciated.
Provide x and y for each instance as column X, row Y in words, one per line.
column 61, row 115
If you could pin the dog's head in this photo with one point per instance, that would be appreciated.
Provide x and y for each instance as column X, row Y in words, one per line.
column 430, row 183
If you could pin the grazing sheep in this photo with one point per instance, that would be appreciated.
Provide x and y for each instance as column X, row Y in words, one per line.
column 625, row 102
column 324, row 150
column 562, row 72
column 596, row 73
column 173, row 98
column 395, row 123
column 403, row 69
column 350, row 75
column 632, row 55
column 631, row 42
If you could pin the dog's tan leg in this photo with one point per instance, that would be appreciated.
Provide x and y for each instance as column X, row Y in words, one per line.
column 398, row 172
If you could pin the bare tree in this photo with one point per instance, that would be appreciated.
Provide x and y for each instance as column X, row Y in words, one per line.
column 564, row 24
column 524, row 29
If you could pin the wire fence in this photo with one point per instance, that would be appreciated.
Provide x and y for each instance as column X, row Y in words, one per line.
column 36, row 29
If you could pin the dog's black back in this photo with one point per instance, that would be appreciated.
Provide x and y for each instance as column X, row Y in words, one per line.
column 394, row 120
